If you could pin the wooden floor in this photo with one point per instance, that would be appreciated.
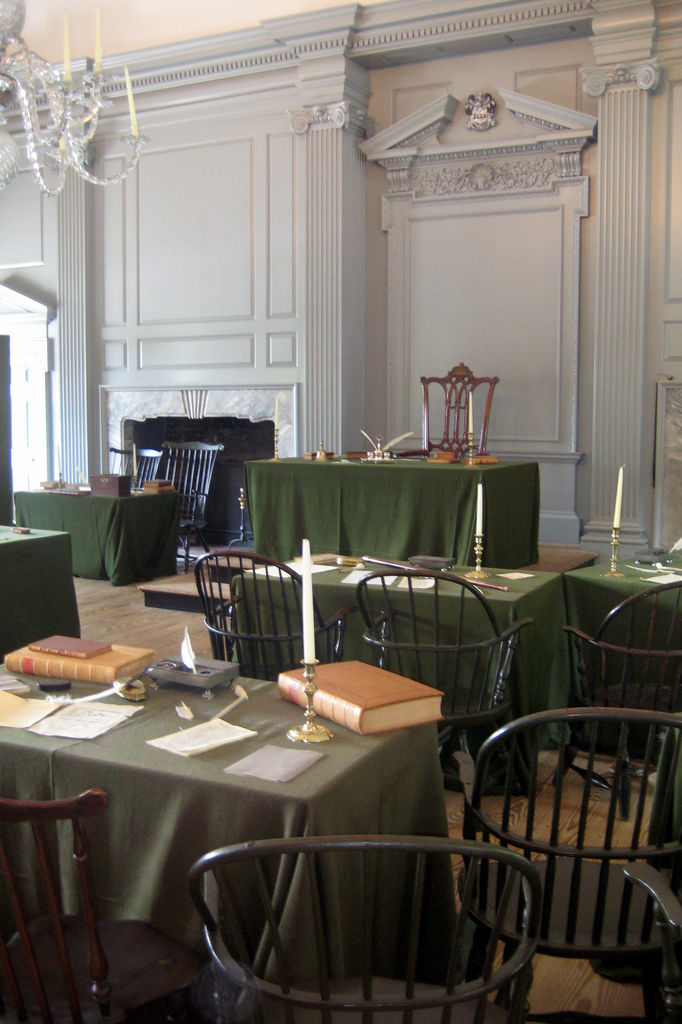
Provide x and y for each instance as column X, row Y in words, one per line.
column 119, row 614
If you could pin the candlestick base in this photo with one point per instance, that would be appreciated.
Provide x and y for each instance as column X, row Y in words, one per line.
column 275, row 457
column 613, row 571
column 310, row 731
column 478, row 573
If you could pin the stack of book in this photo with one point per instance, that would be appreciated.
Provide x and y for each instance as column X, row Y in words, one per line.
column 90, row 661
column 155, row 486
column 364, row 698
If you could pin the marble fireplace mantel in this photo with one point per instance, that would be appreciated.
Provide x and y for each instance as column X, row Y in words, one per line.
column 254, row 403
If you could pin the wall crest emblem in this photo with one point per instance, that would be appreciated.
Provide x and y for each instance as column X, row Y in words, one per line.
column 480, row 112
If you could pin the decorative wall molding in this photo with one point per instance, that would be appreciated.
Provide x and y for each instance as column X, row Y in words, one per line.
column 72, row 362
column 645, row 75
column 336, row 115
column 475, row 168
column 621, row 293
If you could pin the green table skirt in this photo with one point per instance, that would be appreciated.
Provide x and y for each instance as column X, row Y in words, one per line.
column 125, row 540
column 394, row 509
column 166, row 811
column 38, row 595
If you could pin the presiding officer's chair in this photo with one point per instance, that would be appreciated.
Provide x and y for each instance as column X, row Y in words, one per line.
column 331, row 930
column 189, row 467
column 453, row 391
column 451, row 641
column 58, row 968
column 253, row 612
column 591, row 908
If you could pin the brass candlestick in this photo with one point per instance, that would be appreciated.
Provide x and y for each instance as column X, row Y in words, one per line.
column 615, row 540
column 477, row 573
column 310, row 731
column 470, row 454
column 275, row 457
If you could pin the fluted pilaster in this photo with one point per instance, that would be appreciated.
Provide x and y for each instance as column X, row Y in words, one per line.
column 72, row 343
column 335, row 329
column 624, row 94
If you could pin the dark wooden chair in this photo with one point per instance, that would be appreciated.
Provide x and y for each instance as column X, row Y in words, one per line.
column 147, row 463
column 453, row 391
column 253, row 612
column 336, row 919
column 189, row 467
column 58, row 968
column 590, row 909
column 634, row 660
column 458, row 648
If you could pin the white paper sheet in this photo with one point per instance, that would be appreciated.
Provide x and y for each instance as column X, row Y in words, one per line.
column 515, row 575
column 356, row 575
column 11, row 685
column 276, row 764
column 83, row 721
column 22, row 712
column 664, row 577
column 417, row 582
column 202, row 737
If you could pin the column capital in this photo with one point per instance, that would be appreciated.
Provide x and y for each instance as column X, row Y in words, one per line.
column 646, row 75
column 329, row 115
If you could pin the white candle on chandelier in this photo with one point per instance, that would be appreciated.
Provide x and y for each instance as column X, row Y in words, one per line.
column 308, row 616
column 67, row 49
column 98, row 41
column 134, row 131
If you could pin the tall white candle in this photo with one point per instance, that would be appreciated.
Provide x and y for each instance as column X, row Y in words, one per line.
column 276, row 412
column 67, row 50
column 134, row 131
column 479, row 511
column 59, row 462
column 308, row 617
column 619, row 500
column 98, row 41
column 135, row 465
column 471, row 417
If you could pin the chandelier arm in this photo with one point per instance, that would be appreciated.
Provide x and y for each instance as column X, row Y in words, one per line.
column 76, row 162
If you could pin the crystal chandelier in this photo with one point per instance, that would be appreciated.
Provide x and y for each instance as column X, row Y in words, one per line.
column 69, row 108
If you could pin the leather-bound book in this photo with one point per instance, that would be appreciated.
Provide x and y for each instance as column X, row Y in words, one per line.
column 364, row 698
column 116, row 663
column 69, row 646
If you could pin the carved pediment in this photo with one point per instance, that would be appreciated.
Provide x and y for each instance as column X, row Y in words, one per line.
column 547, row 145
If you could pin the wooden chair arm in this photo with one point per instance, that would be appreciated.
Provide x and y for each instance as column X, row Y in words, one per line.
column 657, row 886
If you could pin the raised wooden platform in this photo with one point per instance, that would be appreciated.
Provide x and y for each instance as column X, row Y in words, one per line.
column 562, row 558
column 179, row 593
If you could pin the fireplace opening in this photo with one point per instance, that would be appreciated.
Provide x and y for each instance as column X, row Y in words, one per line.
column 242, row 440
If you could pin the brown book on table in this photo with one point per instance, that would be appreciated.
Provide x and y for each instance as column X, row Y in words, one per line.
column 364, row 698
column 116, row 663
column 69, row 646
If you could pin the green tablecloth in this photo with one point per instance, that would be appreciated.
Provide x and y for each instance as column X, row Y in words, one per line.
column 125, row 540
column 590, row 595
column 36, row 582
column 540, row 674
column 394, row 509
column 165, row 811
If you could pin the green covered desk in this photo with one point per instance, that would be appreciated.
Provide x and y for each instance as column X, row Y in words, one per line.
column 166, row 811
column 125, row 540
column 540, row 675
column 394, row 509
column 36, row 581
column 590, row 595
